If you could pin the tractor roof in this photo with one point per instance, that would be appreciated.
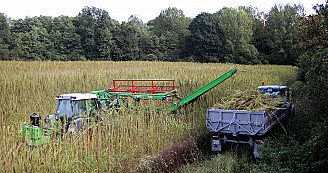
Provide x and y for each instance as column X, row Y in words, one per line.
column 273, row 87
column 76, row 96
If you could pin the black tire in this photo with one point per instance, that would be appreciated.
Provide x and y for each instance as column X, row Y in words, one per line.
column 292, row 112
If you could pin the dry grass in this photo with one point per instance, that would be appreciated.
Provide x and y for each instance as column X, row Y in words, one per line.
column 126, row 138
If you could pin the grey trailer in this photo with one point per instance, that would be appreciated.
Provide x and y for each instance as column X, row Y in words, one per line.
column 242, row 126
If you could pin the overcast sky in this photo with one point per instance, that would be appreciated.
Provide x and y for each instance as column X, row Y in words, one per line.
column 146, row 10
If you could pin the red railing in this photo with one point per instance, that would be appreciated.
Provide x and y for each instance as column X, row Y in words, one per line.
column 143, row 86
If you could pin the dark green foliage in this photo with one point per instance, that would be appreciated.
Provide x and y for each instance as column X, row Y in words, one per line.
column 206, row 38
column 31, row 38
column 94, row 27
column 313, row 62
column 126, row 43
column 243, row 35
column 170, row 20
column 237, row 29
column 315, row 68
column 171, row 27
column 5, row 35
column 134, row 20
column 5, row 38
column 280, row 34
column 288, row 153
column 149, row 46
column 64, row 38
column 322, row 10
column 259, row 36
column 304, row 148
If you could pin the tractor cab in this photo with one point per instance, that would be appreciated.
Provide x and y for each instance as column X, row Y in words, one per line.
column 273, row 90
column 74, row 104
column 70, row 111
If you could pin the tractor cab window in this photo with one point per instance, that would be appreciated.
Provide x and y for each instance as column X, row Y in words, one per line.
column 71, row 108
column 64, row 108
column 79, row 107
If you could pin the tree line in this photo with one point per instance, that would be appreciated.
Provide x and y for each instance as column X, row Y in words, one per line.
column 242, row 35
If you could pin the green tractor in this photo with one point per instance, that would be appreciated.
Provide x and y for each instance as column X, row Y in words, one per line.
column 72, row 110
column 76, row 111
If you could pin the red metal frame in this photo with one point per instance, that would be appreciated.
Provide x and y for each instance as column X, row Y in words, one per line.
column 143, row 85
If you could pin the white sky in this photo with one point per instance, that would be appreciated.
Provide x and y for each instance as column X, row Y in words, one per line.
column 146, row 10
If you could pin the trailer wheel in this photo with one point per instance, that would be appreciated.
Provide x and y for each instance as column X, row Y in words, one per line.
column 216, row 144
column 291, row 114
column 257, row 147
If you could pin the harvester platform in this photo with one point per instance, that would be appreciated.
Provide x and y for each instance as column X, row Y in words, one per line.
column 153, row 86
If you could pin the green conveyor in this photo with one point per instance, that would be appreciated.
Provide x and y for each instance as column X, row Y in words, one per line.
column 204, row 89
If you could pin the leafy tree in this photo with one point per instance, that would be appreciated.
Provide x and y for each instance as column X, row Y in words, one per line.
column 313, row 62
column 148, row 42
column 206, row 38
column 126, row 41
column 281, row 27
column 171, row 27
column 25, row 25
column 149, row 46
column 35, row 44
column 32, row 39
column 170, row 19
column 170, row 46
column 95, row 26
column 134, row 20
column 5, row 35
column 259, row 32
column 237, row 26
column 5, row 38
column 64, row 38
column 46, row 22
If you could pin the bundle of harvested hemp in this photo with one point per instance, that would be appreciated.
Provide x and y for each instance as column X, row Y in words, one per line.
column 251, row 100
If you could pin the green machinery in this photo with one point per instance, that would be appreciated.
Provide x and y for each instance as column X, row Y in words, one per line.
column 74, row 110
column 167, row 93
column 71, row 110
